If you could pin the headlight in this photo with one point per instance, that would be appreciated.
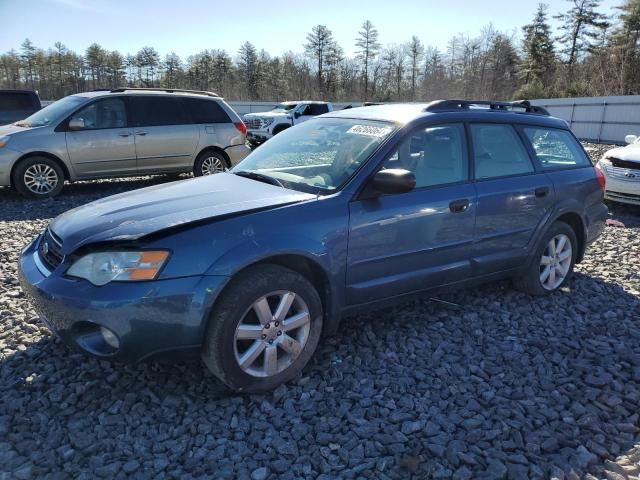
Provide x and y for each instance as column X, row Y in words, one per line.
column 103, row 267
column 267, row 121
column 4, row 140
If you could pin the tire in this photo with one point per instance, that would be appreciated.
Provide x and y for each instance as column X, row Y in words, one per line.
column 208, row 163
column 279, row 129
column 38, row 177
column 532, row 281
column 236, row 312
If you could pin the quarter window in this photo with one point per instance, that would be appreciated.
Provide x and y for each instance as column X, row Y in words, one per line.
column 108, row 113
column 156, row 111
column 555, row 148
column 205, row 111
column 437, row 155
column 498, row 151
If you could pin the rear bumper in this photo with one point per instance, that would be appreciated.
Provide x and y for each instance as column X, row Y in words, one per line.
column 157, row 319
column 597, row 216
column 237, row 153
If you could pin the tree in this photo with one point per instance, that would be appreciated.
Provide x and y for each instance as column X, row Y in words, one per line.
column 368, row 48
column 28, row 55
column 538, row 61
column 248, row 67
column 172, row 68
column 319, row 41
column 626, row 47
column 579, row 28
column 416, row 50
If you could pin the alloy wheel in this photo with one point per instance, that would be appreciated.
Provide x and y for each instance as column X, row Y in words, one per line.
column 272, row 334
column 40, row 178
column 555, row 262
column 212, row 165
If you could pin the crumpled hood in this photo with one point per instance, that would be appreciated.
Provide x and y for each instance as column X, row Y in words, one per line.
column 131, row 215
column 630, row 153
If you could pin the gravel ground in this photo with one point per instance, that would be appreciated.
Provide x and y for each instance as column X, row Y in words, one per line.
column 492, row 385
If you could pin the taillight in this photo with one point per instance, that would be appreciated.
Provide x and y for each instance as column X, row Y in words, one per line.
column 602, row 180
column 242, row 128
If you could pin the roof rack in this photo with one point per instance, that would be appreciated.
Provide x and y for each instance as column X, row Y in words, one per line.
column 168, row 90
column 443, row 105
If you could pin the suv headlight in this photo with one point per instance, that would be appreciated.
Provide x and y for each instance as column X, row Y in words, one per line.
column 267, row 121
column 103, row 267
column 4, row 140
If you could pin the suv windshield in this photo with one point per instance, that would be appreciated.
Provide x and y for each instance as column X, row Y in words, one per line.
column 284, row 107
column 52, row 112
column 319, row 155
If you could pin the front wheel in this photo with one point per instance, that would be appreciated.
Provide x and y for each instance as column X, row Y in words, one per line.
column 38, row 177
column 553, row 262
column 264, row 329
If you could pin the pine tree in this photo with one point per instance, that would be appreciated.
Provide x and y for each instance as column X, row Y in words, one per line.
column 319, row 41
column 248, row 66
column 416, row 50
column 538, row 62
column 368, row 48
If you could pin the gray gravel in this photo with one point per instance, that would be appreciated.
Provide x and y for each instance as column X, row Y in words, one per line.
column 500, row 386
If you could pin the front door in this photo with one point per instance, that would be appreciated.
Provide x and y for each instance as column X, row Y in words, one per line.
column 104, row 146
column 165, row 137
column 410, row 242
column 512, row 198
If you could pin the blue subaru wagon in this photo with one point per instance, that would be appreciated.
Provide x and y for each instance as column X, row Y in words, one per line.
column 249, row 268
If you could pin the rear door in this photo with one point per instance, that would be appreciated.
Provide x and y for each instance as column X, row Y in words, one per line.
column 214, row 124
column 105, row 145
column 421, row 239
column 513, row 197
column 165, row 137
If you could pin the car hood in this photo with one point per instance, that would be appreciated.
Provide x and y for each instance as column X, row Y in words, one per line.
column 11, row 128
column 630, row 153
column 265, row 115
column 131, row 215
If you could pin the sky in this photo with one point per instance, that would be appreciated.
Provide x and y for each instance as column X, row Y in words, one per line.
column 190, row 26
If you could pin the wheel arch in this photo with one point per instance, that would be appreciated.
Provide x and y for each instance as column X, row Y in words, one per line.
column 213, row 148
column 50, row 156
column 279, row 128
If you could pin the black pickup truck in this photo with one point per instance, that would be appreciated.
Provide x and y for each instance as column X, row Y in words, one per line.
column 17, row 104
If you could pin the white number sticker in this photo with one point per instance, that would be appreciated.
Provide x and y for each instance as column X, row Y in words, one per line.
column 369, row 130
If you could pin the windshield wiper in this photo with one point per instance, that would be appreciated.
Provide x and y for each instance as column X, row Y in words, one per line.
column 260, row 177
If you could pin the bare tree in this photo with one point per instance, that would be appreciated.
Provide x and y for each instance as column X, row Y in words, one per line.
column 368, row 48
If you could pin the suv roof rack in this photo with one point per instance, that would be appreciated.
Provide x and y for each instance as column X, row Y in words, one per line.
column 443, row 105
column 168, row 90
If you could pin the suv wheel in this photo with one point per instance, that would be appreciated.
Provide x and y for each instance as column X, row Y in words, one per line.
column 279, row 129
column 264, row 329
column 553, row 262
column 209, row 163
column 38, row 177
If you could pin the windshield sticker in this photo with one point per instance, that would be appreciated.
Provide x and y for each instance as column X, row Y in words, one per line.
column 370, row 130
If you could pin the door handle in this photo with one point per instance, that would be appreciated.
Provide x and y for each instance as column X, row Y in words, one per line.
column 124, row 135
column 541, row 192
column 458, row 206
column 142, row 134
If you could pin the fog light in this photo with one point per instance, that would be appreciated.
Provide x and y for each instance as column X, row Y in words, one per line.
column 110, row 337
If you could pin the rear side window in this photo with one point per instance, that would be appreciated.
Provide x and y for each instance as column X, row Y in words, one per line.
column 318, row 109
column 205, row 111
column 498, row 151
column 157, row 111
column 10, row 101
column 555, row 148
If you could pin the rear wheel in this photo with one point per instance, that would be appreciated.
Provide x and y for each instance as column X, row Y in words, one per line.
column 264, row 329
column 38, row 177
column 279, row 129
column 209, row 163
column 553, row 262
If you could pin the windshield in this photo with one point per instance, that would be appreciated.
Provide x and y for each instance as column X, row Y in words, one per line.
column 284, row 107
column 52, row 112
column 318, row 155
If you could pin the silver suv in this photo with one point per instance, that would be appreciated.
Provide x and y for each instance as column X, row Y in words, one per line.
column 117, row 133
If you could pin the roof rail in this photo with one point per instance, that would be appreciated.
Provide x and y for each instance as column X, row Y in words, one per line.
column 168, row 90
column 443, row 105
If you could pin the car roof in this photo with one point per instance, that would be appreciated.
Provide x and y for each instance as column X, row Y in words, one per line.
column 403, row 113
column 142, row 91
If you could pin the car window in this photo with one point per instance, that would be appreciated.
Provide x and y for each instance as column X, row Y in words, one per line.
column 306, row 110
column 498, row 151
column 318, row 108
column 555, row 148
column 157, row 111
column 108, row 113
column 437, row 155
column 10, row 101
column 204, row 111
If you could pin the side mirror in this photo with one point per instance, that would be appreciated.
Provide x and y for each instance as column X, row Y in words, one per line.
column 393, row 180
column 76, row 124
column 630, row 138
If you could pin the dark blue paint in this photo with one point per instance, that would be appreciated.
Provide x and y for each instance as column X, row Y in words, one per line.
column 368, row 250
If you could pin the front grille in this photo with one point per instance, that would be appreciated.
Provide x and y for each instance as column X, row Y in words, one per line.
column 623, row 173
column 50, row 250
column 630, row 196
column 253, row 123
